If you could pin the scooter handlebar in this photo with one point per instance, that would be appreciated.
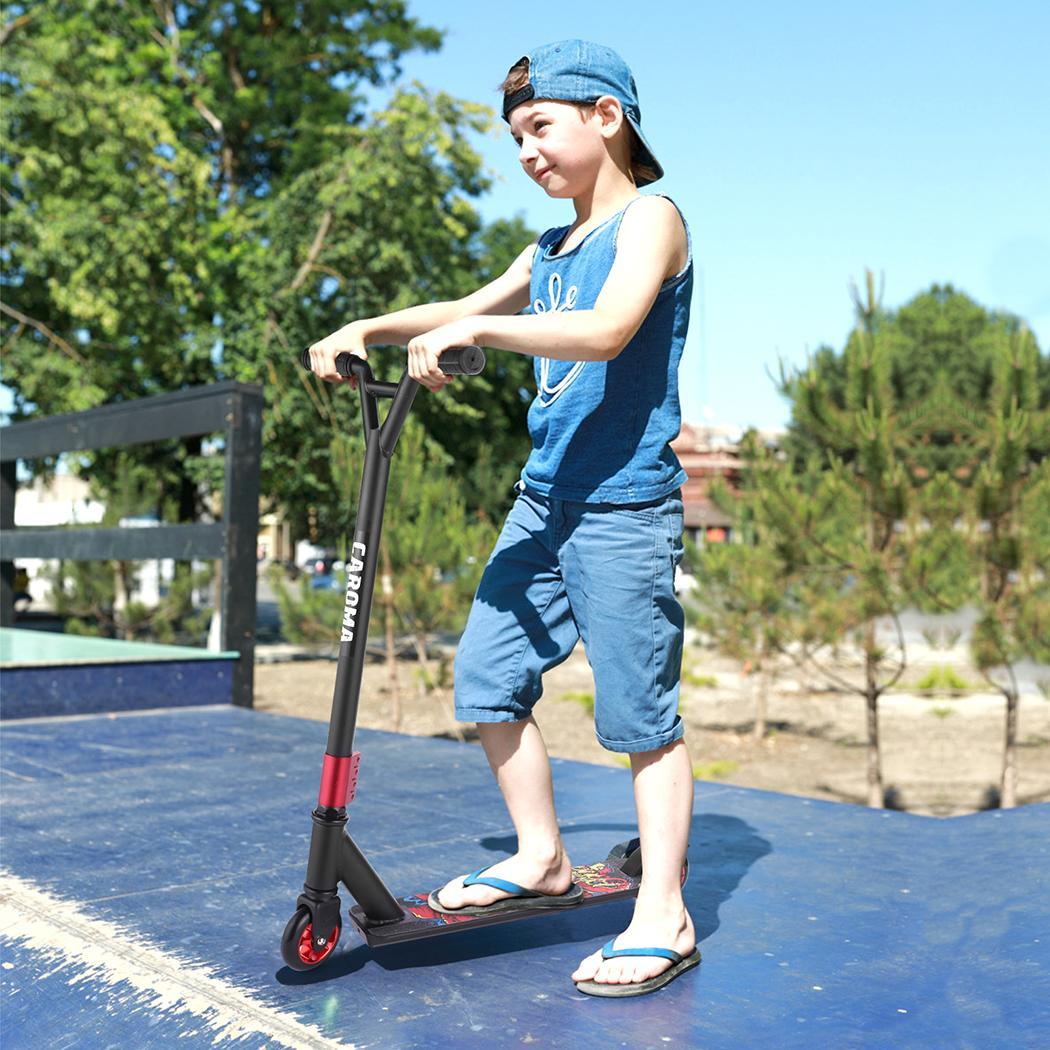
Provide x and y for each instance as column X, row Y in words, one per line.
column 462, row 361
column 455, row 361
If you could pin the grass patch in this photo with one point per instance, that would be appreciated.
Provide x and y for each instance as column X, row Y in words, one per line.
column 707, row 681
column 943, row 678
column 943, row 711
column 584, row 699
column 716, row 770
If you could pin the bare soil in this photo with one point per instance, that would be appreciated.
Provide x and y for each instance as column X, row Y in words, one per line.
column 940, row 757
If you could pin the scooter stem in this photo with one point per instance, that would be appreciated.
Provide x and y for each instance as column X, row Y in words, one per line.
column 363, row 558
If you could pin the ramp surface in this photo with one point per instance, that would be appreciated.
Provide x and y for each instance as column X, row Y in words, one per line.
column 151, row 861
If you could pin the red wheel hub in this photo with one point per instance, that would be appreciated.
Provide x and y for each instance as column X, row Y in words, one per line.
column 306, row 948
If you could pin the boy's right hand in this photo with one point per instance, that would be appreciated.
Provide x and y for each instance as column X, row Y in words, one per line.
column 346, row 340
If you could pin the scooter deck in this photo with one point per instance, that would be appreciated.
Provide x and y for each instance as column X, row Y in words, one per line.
column 601, row 882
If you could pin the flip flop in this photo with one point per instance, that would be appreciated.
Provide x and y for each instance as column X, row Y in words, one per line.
column 521, row 900
column 616, row 991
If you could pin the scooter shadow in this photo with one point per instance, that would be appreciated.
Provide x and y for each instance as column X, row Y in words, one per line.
column 722, row 851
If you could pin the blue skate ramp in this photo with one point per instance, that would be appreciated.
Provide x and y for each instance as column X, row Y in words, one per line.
column 47, row 673
column 151, row 860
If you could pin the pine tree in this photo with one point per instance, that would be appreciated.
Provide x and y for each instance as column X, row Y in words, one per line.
column 850, row 522
column 436, row 552
column 914, row 474
column 740, row 604
column 1010, row 532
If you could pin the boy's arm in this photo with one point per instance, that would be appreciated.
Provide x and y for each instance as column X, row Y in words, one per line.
column 508, row 293
column 651, row 247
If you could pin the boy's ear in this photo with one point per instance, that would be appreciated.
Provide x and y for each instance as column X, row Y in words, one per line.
column 610, row 112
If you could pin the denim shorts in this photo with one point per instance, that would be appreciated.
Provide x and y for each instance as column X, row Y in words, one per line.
column 562, row 571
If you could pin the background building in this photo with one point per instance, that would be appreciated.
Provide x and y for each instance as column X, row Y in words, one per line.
column 709, row 451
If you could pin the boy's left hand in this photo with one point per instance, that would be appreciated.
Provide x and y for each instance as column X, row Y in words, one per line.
column 424, row 351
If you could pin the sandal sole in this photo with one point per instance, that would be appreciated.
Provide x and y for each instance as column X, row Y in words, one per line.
column 568, row 899
column 622, row 991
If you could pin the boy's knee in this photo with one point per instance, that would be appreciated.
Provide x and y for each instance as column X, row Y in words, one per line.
column 622, row 741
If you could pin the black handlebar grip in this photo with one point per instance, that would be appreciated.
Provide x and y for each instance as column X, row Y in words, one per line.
column 342, row 364
column 455, row 361
column 462, row 361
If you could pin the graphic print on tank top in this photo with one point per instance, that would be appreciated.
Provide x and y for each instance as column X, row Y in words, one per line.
column 549, row 394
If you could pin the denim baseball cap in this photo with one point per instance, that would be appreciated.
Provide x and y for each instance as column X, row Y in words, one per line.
column 579, row 71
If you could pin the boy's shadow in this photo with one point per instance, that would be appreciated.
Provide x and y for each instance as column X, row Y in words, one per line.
column 721, row 851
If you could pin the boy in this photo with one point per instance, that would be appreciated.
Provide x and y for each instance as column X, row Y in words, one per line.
column 591, row 543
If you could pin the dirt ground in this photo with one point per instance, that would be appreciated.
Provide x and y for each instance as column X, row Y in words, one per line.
column 939, row 757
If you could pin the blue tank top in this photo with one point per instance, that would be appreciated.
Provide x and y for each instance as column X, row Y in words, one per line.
column 601, row 430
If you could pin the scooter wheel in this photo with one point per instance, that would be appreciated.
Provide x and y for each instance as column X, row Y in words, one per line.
column 297, row 948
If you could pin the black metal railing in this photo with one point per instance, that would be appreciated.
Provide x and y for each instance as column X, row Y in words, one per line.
column 235, row 409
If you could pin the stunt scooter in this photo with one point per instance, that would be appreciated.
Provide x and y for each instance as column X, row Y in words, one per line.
column 313, row 931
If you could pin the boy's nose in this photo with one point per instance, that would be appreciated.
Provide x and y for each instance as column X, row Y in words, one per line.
column 527, row 152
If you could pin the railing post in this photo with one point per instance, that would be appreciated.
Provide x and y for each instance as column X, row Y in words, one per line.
column 8, row 483
column 240, row 512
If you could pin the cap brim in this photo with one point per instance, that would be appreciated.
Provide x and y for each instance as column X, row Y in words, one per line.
column 647, row 156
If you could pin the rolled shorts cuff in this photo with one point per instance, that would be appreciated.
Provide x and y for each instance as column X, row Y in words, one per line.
column 483, row 714
column 649, row 743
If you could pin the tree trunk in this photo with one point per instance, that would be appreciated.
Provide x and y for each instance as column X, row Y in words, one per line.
column 876, row 797
column 875, row 793
column 761, row 688
column 424, row 663
column 391, row 656
column 121, row 597
column 424, row 677
column 120, row 587
column 1008, row 782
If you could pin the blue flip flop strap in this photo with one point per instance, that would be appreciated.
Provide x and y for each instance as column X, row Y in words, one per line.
column 609, row 952
column 498, row 884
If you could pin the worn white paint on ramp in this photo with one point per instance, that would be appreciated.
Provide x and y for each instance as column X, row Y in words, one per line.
column 61, row 935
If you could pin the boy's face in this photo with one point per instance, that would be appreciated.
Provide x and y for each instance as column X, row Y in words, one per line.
column 558, row 147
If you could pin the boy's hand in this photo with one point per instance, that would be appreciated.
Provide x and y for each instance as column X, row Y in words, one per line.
column 424, row 351
column 323, row 354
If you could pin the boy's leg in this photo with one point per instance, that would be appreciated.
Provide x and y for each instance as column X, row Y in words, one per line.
column 518, row 757
column 520, row 626
column 619, row 570
column 663, row 793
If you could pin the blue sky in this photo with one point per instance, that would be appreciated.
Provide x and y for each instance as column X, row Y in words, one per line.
column 804, row 142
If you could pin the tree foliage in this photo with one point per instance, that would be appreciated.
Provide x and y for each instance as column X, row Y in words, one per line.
column 913, row 474
column 193, row 193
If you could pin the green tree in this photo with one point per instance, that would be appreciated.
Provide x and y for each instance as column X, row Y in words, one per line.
column 913, row 475
column 937, row 352
column 852, row 554
column 741, row 604
column 1010, row 532
column 941, row 573
column 436, row 553
column 193, row 193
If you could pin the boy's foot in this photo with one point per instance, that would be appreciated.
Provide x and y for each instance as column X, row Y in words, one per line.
column 672, row 930
column 552, row 878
